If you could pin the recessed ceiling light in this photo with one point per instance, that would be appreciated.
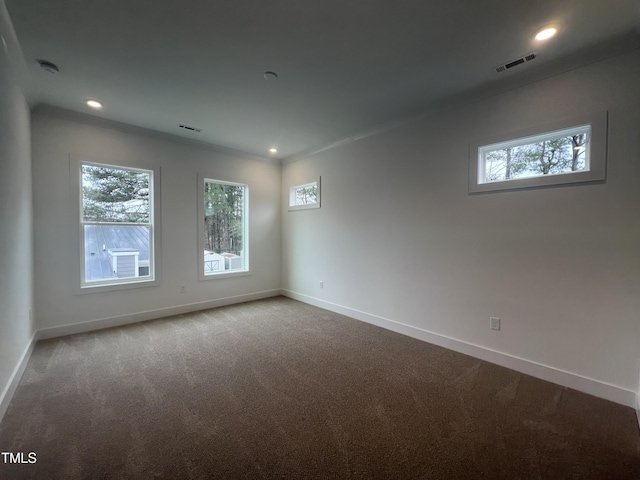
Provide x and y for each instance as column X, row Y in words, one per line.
column 273, row 150
column 94, row 104
column 546, row 33
column 270, row 76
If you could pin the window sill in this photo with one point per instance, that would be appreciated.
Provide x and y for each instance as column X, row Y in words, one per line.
column 295, row 208
column 103, row 287
column 218, row 276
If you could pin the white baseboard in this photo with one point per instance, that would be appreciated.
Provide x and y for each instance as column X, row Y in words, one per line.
column 14, row 380
column 120, row 320
column 545, row 372
column 638, row 407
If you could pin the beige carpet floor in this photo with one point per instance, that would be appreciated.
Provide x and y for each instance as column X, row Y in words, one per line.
column 280, row 389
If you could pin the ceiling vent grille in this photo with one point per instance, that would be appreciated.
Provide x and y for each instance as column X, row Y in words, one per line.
column 515, row 63
column 192, row 129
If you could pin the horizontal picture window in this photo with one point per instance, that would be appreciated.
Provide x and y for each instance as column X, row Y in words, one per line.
column 552, row 153
column 573, row 153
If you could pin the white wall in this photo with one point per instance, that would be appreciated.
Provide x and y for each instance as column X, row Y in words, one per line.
column 16, row 262
column 55, row 136
column 560, row 266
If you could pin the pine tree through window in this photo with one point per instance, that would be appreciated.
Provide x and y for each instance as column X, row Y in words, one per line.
column 225, row 227
column 116, row 224
column 554, row 153
column 302, row 197
column 567, row 151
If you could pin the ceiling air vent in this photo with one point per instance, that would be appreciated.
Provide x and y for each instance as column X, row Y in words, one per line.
column 193, row 129
column 515, row 63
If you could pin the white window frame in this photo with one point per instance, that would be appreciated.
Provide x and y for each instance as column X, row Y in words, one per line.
column 292, row 196
column 246, row 237
column 595, row 160
column 153, row 279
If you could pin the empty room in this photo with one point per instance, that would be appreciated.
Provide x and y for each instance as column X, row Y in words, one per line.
column 337, row 239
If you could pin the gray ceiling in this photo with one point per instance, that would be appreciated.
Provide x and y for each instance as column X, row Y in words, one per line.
column 344, row 66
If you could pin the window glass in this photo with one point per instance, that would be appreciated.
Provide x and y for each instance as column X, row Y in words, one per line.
column 568, row 151
column 225, row 227
column 116, row 224
column 305, row 196
column 552, row 153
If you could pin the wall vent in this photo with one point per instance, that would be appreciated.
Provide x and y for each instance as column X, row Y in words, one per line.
column 515, row 62
column 193, row 129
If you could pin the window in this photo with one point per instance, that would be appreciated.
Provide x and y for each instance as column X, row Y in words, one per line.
column 553, row 153
column 116, row 225
column 305, row 196
column 224, row 228
column 571, row 154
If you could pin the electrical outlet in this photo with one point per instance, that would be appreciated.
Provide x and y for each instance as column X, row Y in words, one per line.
column 321, row 284
column 182, row 288
column 494, row 323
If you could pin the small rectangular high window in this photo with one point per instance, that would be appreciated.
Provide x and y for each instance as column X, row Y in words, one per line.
column 568, row 151
column 553, row 153
column 305, row 196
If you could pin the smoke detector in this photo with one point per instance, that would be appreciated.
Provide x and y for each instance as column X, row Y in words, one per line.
column 48, row 67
